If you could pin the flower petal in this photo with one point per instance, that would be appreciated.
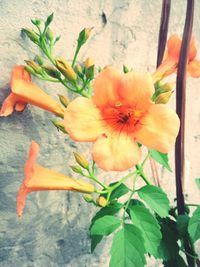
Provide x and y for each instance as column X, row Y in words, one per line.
column 194, row 68
column 159, row 128
column 106, row 87
column 83, row 121
column 28, row 92
column 8, row 105
column 174, row 48
column 136, row 89
column 116, row 152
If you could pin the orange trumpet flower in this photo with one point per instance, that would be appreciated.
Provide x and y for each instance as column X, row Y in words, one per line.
column 171, row 58
column 38, row 178
column 119, row 115
column 23, row 91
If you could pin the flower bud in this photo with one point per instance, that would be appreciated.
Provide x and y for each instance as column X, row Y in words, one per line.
column 84, row 35
column 64, row 100
column 66, row 69
column 101, row 201
column 59, row 125
column 39, row 60
column 79, row 70
column 76, row 169
column 88, row 198
column 29, row 69
column 88, row 62
column 52, row 72
column 125, row 69
column 49, row 34
column 81, row 160
column 37, row 68
column 89, row 72
column 163, row 98
column 31, row 35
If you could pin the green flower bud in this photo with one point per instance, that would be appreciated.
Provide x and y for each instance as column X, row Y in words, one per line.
column 59, row 125
column 31, row 35
column 84, row 35
column 64, row 100
column 88, row 198
column 49, row 34
column 37, row 68
column 39, row 60
column 52, row 72
column 76, row 169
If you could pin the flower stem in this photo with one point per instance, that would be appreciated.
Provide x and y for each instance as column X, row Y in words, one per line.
column 141, row 174
column 76, row 54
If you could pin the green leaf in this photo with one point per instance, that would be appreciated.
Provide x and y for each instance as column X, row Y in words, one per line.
column 105, row 225
column 128, row 248
column 95, row 240
column 119, row 191
column 156, row 199
column 109, row 210
column 194, row 225
column 149, row 227
column 160, row 158
column 197, row 180
column 168, row 248
column 182, row 225
column 178, row 262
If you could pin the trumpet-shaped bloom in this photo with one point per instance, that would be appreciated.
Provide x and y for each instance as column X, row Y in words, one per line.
column 38, row 178
column 171, row 59
column 119, row 115
column 23, row 91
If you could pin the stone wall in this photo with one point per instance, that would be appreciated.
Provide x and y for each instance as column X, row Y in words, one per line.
column 53, row 231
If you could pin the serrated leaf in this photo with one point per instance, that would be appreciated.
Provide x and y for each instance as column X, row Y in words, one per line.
column 148, row 225
column 105, row 225
column 197, row 180
column 156, row 199
column 160, row 158
column 109, row 210
column 194, row 225
column 182, row 225
column 178, row 262
column 128, row 248
column 119, row 191
column 95, row 240
column 168, row 248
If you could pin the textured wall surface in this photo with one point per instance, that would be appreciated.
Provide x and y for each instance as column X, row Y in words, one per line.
column 53, row 231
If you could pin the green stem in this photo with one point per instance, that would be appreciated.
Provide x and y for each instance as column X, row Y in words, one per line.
column 95, row 179
column 123, row 179
column 76, row 54
column 141, row 174
column 145, row 159
column 130, row 197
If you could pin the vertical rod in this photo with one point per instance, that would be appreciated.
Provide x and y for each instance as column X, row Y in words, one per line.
column 164, row 22
column 180, row 109
column 180, row 104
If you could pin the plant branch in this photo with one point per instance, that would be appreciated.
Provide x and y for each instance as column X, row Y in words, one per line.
column 180, row 109
column 164, row 22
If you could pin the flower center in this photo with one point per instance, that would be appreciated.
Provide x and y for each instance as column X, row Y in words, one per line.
column 122, row 118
